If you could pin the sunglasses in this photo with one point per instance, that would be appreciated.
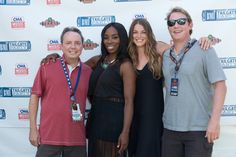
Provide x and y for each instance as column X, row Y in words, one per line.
column 180, row 21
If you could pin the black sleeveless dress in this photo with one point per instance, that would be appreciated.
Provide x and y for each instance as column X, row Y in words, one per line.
column 105, row 120
column 147, row 126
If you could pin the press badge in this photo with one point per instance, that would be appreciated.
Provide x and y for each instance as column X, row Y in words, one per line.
column 174, row 87
column 76, row 113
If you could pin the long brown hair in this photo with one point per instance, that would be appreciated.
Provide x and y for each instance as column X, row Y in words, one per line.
column 154, row 58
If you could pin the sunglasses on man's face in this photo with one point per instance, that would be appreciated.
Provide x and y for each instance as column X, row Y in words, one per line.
column 180, row 21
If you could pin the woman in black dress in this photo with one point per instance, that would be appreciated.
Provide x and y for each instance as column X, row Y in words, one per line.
column 146, row 129
column 111, row 93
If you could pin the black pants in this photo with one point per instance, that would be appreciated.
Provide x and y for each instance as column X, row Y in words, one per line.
column 185, row 144
column 61, row 151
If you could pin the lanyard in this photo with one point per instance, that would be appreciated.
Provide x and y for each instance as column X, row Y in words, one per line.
column 72, row 92
column 178, row 63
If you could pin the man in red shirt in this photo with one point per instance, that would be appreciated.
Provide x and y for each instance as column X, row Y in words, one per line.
column 62, row 88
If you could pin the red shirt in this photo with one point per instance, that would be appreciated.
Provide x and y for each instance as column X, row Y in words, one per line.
column 56, row 125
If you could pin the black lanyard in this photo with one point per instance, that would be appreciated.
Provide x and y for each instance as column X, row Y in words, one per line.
column 72, row 92
column 178, row 62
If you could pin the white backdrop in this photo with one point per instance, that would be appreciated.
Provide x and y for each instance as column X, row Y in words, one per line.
column 30, row 30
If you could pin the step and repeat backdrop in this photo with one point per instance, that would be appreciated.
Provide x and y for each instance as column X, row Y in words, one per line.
column 30, row 30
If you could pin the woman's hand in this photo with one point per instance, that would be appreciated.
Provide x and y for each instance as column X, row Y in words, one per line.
column 123, row 142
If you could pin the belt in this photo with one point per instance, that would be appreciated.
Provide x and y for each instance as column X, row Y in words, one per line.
column 112, row 99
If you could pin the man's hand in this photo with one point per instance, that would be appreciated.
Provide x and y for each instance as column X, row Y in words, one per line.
column 34, row 137
column 213, row 131
column 208, row 42
column 50, row 57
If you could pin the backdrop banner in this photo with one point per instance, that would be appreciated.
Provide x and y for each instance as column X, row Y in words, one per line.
column 30, row 30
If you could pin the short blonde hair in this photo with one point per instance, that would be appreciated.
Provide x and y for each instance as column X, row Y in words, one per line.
column 183, row 11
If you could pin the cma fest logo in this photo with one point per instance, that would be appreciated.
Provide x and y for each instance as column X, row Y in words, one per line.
column 15, row 92
column 17, row 22
column 23, row 114
column 49, row 22
column 53, row 45
column 219, row 15
column 228, row 62
column 51, row 2
column 93, row 21
column 87, row 1
column 15, row 2
column 21, row 69
column 229, row 110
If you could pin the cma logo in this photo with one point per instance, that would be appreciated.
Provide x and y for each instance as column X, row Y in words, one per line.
column 17, row 19
column 24, row 111
column 23, row 114
column 54, row 42
column 53, row 45
column 21, row 66
column 140, row 16
column 21, row 69
column 17, row 22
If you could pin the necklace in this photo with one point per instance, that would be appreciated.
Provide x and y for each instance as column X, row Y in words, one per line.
column 106, row 63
